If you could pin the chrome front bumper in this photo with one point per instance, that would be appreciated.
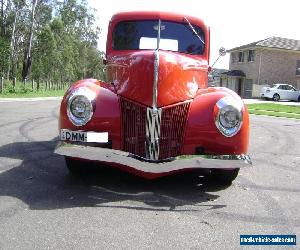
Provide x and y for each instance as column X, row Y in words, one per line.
column 155, row 167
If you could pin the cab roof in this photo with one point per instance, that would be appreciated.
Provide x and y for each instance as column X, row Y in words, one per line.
column 150, row 15
column 155, row 15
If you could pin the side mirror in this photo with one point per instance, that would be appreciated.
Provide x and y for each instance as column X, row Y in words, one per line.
column 222, row 51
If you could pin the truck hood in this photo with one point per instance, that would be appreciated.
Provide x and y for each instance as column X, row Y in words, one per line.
column 179, row 76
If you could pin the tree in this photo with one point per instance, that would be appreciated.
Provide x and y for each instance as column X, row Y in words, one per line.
column 4, row 52
column 49, row 40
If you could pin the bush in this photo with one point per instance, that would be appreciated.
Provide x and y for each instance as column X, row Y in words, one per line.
column 9, row 89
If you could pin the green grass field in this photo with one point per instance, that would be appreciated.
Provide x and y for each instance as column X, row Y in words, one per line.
column 21, row 90
column 275, row 107
column 277, row 110
column 44, row 93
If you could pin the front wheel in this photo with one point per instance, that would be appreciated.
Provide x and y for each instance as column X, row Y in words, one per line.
column 299, row 98
column 74, row 166
column 276, row 97
column 224, row 176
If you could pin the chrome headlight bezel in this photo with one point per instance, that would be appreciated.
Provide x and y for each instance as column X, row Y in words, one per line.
column 229, row 116
column 86, row 97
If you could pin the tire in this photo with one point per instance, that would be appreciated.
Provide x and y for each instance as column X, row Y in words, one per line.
column 276, row 97
column 75, row 167
column 299, row 98
column 224, row 176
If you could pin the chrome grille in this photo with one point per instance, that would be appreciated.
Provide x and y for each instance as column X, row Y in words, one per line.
column 172, row 130
column 133, row 127
column 134, row 132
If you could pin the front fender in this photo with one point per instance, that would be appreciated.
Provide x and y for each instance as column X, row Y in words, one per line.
column 202, row 135
column 106, row 117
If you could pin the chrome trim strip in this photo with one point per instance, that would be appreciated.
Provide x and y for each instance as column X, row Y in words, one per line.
column 158, row 34
column 154, row 114
column 153, row 133
column 155, row 79
column 156, row 66
column 177, row 163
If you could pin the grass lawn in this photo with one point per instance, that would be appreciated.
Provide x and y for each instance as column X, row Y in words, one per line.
column 277, row 110
column 275, row 107
column 28, row 90
column 48, row 93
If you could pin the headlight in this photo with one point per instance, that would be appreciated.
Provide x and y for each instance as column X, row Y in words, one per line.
column 229, row 116
column 80, row 108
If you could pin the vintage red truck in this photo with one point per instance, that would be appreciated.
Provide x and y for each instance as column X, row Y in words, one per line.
column 155, row 114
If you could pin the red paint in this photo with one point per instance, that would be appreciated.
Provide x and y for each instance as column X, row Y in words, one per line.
column 180, row 75
column 106, row 117
column 202, row 132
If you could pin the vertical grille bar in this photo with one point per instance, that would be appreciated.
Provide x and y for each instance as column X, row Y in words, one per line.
column 153, row 133
column 134, row 129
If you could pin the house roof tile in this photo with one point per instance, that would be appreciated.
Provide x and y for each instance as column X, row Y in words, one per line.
column 272, row 42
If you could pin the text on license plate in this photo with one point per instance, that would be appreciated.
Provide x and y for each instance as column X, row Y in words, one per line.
column 69, row 135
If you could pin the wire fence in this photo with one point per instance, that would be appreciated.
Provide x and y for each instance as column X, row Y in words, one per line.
column 14, row 86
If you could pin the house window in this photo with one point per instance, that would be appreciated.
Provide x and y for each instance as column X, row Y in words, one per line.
column 251, row 56
column 241, row 56
column 298, row 68
column 232, row 57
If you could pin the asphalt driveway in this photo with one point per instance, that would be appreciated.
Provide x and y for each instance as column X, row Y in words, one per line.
column 43, row 207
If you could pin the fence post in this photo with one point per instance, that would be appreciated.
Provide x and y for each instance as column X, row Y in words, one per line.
column 14, row 83
column 1, row 84
column 32, row 84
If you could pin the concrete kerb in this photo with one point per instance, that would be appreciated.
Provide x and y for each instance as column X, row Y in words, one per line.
column 254, row 101
column 31, row 99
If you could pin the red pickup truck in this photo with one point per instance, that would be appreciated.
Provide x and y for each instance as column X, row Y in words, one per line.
column 155, row 114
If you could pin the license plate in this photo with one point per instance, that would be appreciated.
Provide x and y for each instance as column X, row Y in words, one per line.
column 69, row 135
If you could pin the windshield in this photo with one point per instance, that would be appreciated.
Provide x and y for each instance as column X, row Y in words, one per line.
column 135, row 35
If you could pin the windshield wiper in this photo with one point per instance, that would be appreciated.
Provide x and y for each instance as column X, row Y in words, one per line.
column 194, row 31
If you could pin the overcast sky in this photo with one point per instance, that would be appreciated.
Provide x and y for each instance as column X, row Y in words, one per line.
column 232, row 22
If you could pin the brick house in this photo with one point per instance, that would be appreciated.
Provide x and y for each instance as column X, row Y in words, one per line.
column 252, row 66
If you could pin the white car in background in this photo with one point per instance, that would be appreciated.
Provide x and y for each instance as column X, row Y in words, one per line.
column 280, row 91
